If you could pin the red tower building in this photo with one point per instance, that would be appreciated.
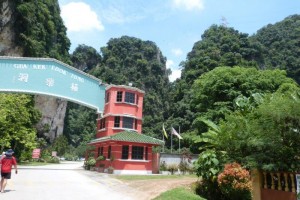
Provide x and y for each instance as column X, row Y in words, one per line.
column 119, row 132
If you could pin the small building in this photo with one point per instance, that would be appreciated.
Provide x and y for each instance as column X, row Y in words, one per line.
column 119, row 133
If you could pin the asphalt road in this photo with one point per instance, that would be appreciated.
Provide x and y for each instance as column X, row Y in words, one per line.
column 66, row 181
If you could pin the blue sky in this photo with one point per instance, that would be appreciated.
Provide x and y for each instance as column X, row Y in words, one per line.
column 174, row 25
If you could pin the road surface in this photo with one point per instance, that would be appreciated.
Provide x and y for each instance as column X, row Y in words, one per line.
column 65, row 181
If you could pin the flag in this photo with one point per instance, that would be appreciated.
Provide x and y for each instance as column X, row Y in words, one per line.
column 164, row 131
column 174, row 132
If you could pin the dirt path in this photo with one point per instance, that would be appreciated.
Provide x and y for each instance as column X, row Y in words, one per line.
column 153, row 187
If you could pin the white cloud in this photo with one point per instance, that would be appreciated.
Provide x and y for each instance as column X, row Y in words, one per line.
column 169, row 64
column 176, row 73
column 116, row 15
column 113, row 15
column 177, row 52
column 189, row 4
column 80, row 17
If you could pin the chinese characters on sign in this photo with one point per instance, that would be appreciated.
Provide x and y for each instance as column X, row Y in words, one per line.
column 23, row 77
column 74, row 87
column 50, row 82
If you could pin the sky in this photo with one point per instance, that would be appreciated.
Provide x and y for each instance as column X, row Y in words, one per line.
column 174, row 25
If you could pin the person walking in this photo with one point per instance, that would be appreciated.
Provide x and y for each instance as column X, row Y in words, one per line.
column 6, row 164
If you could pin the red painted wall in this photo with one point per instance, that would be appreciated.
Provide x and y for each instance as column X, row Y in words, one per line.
column 113, row 108
column 120, row 164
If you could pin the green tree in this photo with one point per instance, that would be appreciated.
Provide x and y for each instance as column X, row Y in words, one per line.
column 18, row 117
column 130, row 60
column 219, row 46
column 60, row 145
column 80, row 124
column 40, row 30
column 279, row 44
column 266, row 137
column 213, row 94
column 85, row 58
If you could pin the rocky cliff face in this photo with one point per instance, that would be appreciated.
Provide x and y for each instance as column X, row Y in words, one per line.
column 7, row 35
column 53, row 110
column 53, row 114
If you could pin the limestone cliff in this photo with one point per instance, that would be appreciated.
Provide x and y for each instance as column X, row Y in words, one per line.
column 53, row 110
column 7, row 34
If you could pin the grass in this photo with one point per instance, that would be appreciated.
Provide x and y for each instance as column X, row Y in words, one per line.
column 148, row 177
column 179, row 194
column 33, row 163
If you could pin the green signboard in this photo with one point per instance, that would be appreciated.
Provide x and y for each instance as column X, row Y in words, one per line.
column 51, row 77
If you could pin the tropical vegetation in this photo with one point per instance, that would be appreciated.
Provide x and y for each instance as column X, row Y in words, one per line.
column 234, row 89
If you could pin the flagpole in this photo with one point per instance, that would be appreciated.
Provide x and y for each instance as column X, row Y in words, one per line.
column 171, row 141
column 164, row 144
column 179, row 139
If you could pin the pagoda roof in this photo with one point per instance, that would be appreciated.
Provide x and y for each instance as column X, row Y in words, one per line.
column 129, row 136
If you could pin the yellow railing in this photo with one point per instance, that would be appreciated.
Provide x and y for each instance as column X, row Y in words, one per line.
column 282, row 181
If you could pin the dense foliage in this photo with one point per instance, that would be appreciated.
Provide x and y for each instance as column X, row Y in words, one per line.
column 280, row 46
column 40, row 30
column 85, row 58
column 213, row 93
column 17, row 119
column 80, row 121
column 266, row 137
column 212, row 88
column 130, row 60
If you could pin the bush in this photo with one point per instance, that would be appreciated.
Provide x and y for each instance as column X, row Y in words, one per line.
column 70, row 157
column 172, row 168
column 207, row 167
column 53, row 160
column 163, row 166
column 183, row 166
column 101, row 158
column 208, row 189
column 91, row 162
column 234, row 182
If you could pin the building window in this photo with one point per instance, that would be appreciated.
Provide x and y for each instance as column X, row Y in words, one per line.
column 137, row 100
column 119, row 96
column 128, row 122
column 129, row 97
column 107, row 97
column 100, row 151
column 102, row 123
column 146, row 153
column 109, row 152
column 137, row 153
column 125, row 152
column 117, row 121
column 135, row 124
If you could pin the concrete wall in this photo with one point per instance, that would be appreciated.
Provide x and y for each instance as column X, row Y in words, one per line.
column 174, row 158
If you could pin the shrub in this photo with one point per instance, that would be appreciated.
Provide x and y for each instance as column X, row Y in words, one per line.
column 91, row 162
column 70, row 157
column 234, row 182
column 53, row 160
column 183, row 166
column 163, row 166
column 172, row 168
column 207, row 167
column 208, row 189
column 101, row 158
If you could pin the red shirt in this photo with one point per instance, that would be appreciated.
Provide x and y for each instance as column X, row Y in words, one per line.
column 7, row 163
